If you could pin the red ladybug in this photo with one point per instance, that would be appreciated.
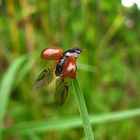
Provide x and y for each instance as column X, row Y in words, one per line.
column 66, row 61
column 65, row 68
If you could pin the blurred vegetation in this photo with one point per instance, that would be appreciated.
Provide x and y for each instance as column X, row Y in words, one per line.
column 108, row 71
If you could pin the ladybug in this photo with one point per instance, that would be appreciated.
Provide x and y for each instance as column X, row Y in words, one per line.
column 66, row 61
column 65, row 68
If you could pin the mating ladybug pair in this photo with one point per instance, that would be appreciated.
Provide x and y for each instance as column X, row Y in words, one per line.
column 65, row 68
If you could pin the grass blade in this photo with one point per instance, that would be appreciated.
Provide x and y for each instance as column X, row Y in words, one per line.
column 67, row 123
column 24, row 71
column 83, row 111
column 7, row 84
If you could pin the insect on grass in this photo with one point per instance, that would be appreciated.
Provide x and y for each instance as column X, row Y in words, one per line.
column 64, row 69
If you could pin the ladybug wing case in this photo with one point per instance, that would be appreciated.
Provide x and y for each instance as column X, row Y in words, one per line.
column 69, row 67
column 52, row 53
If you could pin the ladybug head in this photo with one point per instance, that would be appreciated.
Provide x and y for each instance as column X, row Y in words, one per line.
column 78, row 50
column 73, row 52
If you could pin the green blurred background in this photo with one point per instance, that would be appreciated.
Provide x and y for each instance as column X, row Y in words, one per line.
column 108, row 71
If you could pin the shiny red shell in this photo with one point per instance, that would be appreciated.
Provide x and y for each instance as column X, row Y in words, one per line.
column 52, row 53
column 69, row 67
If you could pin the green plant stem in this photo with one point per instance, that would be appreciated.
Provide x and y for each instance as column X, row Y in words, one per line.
column 83, row 110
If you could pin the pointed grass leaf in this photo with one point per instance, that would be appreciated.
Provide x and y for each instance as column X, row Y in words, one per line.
column 7, row 84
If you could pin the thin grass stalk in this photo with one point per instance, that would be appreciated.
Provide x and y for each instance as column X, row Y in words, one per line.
column 83, row 110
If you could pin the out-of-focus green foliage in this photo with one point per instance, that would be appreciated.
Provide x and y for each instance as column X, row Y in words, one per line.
column 108, row 69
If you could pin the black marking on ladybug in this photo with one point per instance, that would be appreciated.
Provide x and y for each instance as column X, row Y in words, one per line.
column 59, row 66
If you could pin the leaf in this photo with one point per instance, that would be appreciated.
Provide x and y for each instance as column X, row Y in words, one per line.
column 7, row 84
column 83, row 110
column 24, row 71
column 67, row 123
